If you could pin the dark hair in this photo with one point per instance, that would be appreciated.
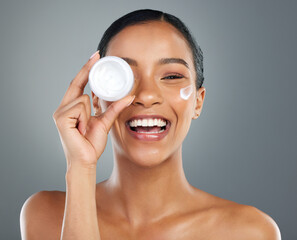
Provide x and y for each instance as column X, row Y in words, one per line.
column 146, row 15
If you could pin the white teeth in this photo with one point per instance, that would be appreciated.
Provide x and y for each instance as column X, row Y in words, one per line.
column 151, row 122
column 151, row 132
column 144, row 122
column 147, row 122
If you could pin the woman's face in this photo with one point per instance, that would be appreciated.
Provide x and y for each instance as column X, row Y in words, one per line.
column 157, row 92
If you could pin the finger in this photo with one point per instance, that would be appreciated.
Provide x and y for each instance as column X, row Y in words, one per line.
column 74, row 117
column 85, row 99
column 77, row 85
column 96, row 105
column 82, row 122
column 112, row 112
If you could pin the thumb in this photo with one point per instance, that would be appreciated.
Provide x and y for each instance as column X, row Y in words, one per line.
column 99, row 126
column 112, row 112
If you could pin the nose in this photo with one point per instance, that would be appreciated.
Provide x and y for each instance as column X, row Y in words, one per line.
column 147, row 93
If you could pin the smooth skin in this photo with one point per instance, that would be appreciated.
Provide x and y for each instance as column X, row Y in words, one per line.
column 147, row 195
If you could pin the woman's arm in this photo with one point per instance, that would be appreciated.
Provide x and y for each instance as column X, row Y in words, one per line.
column 83, row 139
column 80, row 216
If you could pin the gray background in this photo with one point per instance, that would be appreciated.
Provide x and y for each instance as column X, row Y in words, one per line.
column 242, row 148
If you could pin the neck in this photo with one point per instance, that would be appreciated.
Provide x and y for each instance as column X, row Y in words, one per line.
column 142, row 195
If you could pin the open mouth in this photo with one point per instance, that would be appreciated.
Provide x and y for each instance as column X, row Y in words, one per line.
column 152, row 125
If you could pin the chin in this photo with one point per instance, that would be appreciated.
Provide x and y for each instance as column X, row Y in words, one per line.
column 145, row 157
column 148, row 160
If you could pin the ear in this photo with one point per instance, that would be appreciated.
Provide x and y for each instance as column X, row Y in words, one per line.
column 96, row 105
column 200, row 94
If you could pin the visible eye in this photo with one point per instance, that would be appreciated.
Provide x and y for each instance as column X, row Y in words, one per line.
column 174, row 76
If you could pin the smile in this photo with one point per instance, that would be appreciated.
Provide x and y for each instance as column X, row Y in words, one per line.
column 148, row 127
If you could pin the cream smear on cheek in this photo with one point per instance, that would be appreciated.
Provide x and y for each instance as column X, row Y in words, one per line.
column 186, row 92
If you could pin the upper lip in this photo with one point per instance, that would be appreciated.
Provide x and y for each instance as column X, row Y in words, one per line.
column 147, row 117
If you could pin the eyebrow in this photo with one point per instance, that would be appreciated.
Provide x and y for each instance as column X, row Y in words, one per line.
column 161, row 61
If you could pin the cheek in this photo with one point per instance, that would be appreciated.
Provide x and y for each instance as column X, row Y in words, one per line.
column 181, row 99
column 186, row 92
column 183, row 110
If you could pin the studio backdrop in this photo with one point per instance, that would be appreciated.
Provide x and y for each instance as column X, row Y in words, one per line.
column 242, row 147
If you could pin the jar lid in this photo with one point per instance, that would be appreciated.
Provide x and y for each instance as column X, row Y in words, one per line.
column 111, row 78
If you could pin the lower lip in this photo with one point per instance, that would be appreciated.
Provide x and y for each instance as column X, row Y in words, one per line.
column 149, row 136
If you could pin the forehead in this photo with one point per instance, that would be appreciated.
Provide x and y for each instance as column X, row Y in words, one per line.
column 153, row 38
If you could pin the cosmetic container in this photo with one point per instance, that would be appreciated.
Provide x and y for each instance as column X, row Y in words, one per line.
column 111, row 78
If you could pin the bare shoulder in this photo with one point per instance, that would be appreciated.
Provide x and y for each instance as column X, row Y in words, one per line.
column 42, row 214
column 252, row 222
column 238, row 221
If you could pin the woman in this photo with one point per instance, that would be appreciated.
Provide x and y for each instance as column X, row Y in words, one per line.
column 147, row 195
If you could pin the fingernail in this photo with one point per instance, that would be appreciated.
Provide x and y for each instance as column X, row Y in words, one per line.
column 85, row 132
column 131, row 101
column 94, row 54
